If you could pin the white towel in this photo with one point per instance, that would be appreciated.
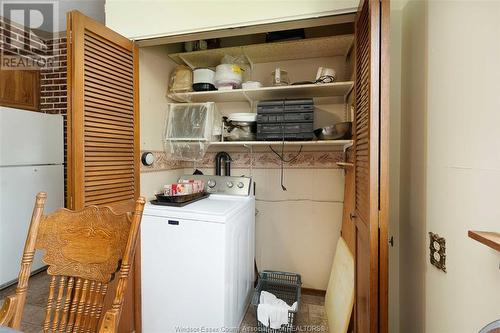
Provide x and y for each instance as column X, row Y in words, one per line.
column 272, row 311
column 272, row 316
column 268, row 298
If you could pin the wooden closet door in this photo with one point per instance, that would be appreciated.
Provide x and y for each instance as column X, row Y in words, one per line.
column 370, row 160
column 103, row 133
column 103, row 116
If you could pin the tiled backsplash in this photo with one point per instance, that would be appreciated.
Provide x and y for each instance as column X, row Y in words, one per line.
column 257, row 160
column 162, row 163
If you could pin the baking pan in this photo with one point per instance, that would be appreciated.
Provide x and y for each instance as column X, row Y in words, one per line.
column 178, row 200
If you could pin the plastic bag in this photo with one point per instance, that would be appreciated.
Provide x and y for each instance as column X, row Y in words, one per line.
column 189, row 130
column 181, row 81
column 242, row 62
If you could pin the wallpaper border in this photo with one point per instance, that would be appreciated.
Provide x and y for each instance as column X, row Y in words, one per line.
column 259, row 160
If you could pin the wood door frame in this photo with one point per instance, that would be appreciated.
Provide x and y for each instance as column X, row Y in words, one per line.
column 384, row 166
column 375, row 167
column 69, row 100
column 137, row 175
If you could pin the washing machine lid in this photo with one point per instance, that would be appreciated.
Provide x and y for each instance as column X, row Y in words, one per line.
column 216, row 208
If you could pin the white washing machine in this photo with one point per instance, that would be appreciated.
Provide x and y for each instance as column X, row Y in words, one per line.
column 197, row 261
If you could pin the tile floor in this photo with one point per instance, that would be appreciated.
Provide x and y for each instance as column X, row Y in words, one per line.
column 311, row 317
column 34, row 309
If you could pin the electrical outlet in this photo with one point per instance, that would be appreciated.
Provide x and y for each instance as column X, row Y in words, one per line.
column 437, row 247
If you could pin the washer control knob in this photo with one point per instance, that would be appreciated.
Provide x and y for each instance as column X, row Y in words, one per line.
column 211, row 183
column 240, row 185
column 230, row 184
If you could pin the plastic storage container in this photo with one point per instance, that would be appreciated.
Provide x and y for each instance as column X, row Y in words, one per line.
column 190, row 128
column 283, row 285
column 193, row 122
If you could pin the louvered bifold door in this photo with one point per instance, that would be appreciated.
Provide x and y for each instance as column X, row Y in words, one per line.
column 103, row 116
column 366, row 160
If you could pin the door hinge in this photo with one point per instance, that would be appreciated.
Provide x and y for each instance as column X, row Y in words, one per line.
column 70, row 37
column 378, row 219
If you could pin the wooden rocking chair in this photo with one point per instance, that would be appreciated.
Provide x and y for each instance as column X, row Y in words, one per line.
column 83, row 250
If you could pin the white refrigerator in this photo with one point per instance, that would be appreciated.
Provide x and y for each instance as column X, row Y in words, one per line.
column 31, row 161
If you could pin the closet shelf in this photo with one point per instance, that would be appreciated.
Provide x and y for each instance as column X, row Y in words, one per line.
column 338, row 144
column 266, row 93
column 488, row 238
column 270, row 52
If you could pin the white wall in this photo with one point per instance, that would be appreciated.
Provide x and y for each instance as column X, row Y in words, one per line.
column 91, row 8
column 450, row 160
column 149, row 18
column 463, row 162
column 413, row 168
column 297, row 230
column 154, row 71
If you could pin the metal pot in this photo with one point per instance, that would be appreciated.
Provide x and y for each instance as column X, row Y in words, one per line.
column 339, row 131
column 240, row 127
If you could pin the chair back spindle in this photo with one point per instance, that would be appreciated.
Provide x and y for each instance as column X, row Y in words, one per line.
column 84, row 250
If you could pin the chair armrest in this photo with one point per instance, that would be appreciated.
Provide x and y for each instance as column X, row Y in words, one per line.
column 7, row 310
column 109, row 322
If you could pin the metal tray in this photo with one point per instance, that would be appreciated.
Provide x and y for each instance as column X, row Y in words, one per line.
column 179, row 200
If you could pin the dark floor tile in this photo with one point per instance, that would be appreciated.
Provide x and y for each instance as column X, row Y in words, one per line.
column 304, row 308
column 7, row 291
column 249, row 321
column 311, row 313
column 38, row 289
column 250, row 315
column 246, row 328
column 316, row 311
column 38, row 292
column 33, row 314
column 36, row 301
column 311, row 316
column 30, row 328
column 39, row 282
column 313, row 299
column 302, row 316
